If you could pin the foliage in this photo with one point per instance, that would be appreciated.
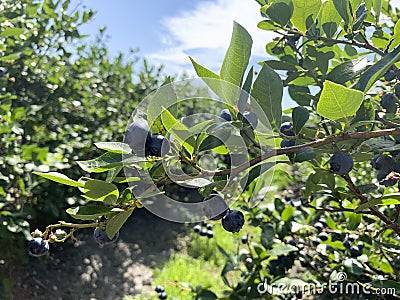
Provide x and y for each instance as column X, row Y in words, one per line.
column 334, row 58
column 59, row 92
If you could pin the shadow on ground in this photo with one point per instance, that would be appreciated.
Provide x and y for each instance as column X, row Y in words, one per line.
column 87, row 271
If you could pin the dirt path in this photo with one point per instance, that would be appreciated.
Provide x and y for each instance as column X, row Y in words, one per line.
column 89, row 272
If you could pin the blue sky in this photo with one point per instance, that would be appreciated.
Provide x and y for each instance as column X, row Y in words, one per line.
column 167, row 32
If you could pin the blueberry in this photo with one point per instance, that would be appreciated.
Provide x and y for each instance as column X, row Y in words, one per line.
column 3, row 72
column 382, row 162
column 352, row 237
column 159, row 146
column 162, row 295
column 360, row 244
column 215, row 208
column 159, row 289
column 397, row 90
column 209, row 226
column 226, row 115
column 287, row 129
column 244, row 239
column 233, row 221
column 38, row 247
column 355, row 251
column 303, row 262
column 315, row 241
column 210, row 234
column 319, row 226
column 251, row 119
column 347, row 244
column 292, row 242
column 203, row 232
column 138, row 137
column 389, row 103
column 287, row 143
column 197, row 228
column 323, row 236
column 101, row 238
column 341, row 163
column 390, row 75
column 204, row 223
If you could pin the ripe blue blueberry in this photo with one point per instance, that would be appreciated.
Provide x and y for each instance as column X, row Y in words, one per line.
column 197, row 228
column 226, row 115
column 159, row 289
column 287, row 129
column 287, row 143
column 390, row 75
column 397, row 90
column 382, row 162
column 210, row 234
column 355, row 251
column 209, row 226
column 315, row 241
column 101, row 238
column 319, row 226
column 244, row 239
column 251, row 119
column 203, row 232
column 159, row 146
column 162, row 295
column 233, row 221
column 138, row 137
column 347, row 244
column 323, row 236
column 341, row 163
column 38, row 247
column 3, row 72
column 389, row 103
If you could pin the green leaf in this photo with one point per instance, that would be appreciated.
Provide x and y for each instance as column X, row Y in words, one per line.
column 108, row 161
column 347, row 70
column 101, row 191
column 352, row 266
column 10, row 57
column 300, row 117
column 115, row 223
column 337, row 102
column 377, row 5
column 343, row 8
column 88, row 212
column 114, row 147
column 179, row 130
column 60, row 178
column 279, row 12
column 353, row 220
column 395, row 41
column 376, row 71
column 210, row 142
column 329, row 18
column 287, row 213
column 268, row 91
column 278, row 250
column 244, row 95
column 304, row 154
column 254, row 173
column 11, row 32
column 206, row 295
column 368, row 204
column 303, row 9
column 202, row 71
column 237, row 57
column 267, row 236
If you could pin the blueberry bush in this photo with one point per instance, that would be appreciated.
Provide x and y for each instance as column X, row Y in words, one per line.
column 339, row 146
column 59, row 91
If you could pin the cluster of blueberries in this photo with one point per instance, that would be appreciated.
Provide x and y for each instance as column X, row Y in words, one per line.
column 385, row 165
column 204, row 230
column 287, row 130
column 389, row 101
column 249, row 118
column 348, row 241
column 38, row 247
column 138, row 134
column 161, row 292
column 232, row 220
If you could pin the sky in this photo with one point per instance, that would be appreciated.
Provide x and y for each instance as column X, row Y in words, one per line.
column 167, row 32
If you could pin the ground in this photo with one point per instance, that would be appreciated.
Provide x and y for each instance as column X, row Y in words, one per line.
column 87, row 271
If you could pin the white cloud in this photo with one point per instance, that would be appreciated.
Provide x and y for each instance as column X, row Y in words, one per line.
column 205, row 32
